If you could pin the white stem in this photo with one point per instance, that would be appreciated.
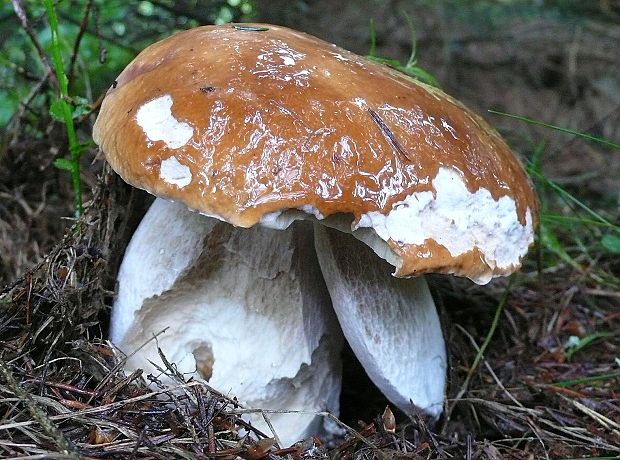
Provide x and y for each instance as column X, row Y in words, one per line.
column 245, row 309
column 390, row 323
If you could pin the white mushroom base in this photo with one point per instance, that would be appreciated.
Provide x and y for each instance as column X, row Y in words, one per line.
column 244, row 309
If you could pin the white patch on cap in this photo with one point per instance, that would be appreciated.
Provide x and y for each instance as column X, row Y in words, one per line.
column 175, row 173
column 156, row 120
column 458, row 220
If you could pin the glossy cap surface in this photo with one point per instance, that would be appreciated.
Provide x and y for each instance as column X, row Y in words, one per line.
column 244, row 122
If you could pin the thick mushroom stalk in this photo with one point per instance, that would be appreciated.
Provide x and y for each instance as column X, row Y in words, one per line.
column 244, row 309
column 391, row 323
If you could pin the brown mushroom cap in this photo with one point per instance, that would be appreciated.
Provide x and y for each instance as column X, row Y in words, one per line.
column 263, row 119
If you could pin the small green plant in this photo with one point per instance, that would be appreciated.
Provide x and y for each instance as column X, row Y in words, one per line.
column 410, row 68
column 61, row 109
column 575, row 344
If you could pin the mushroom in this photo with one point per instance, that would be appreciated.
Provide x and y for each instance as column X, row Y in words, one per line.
column 390, row 323
column 245, row 310
column 260, row 126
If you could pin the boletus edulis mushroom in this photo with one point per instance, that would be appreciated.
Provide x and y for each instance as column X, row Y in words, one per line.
column 293, row 177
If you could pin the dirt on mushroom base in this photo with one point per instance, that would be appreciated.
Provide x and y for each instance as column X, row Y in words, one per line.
column 62, row 389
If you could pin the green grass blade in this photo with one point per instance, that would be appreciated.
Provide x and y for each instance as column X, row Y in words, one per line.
column 583, row 342
column 64, row 109
column 570, row 198
column 586, row 380
column 531, row 121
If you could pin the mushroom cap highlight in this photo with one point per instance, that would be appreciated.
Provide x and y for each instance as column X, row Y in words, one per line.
column 246, row 122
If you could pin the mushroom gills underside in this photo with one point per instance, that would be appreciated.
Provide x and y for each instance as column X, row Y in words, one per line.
column 342, row 221
column 391, row 323
column 245, row 309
